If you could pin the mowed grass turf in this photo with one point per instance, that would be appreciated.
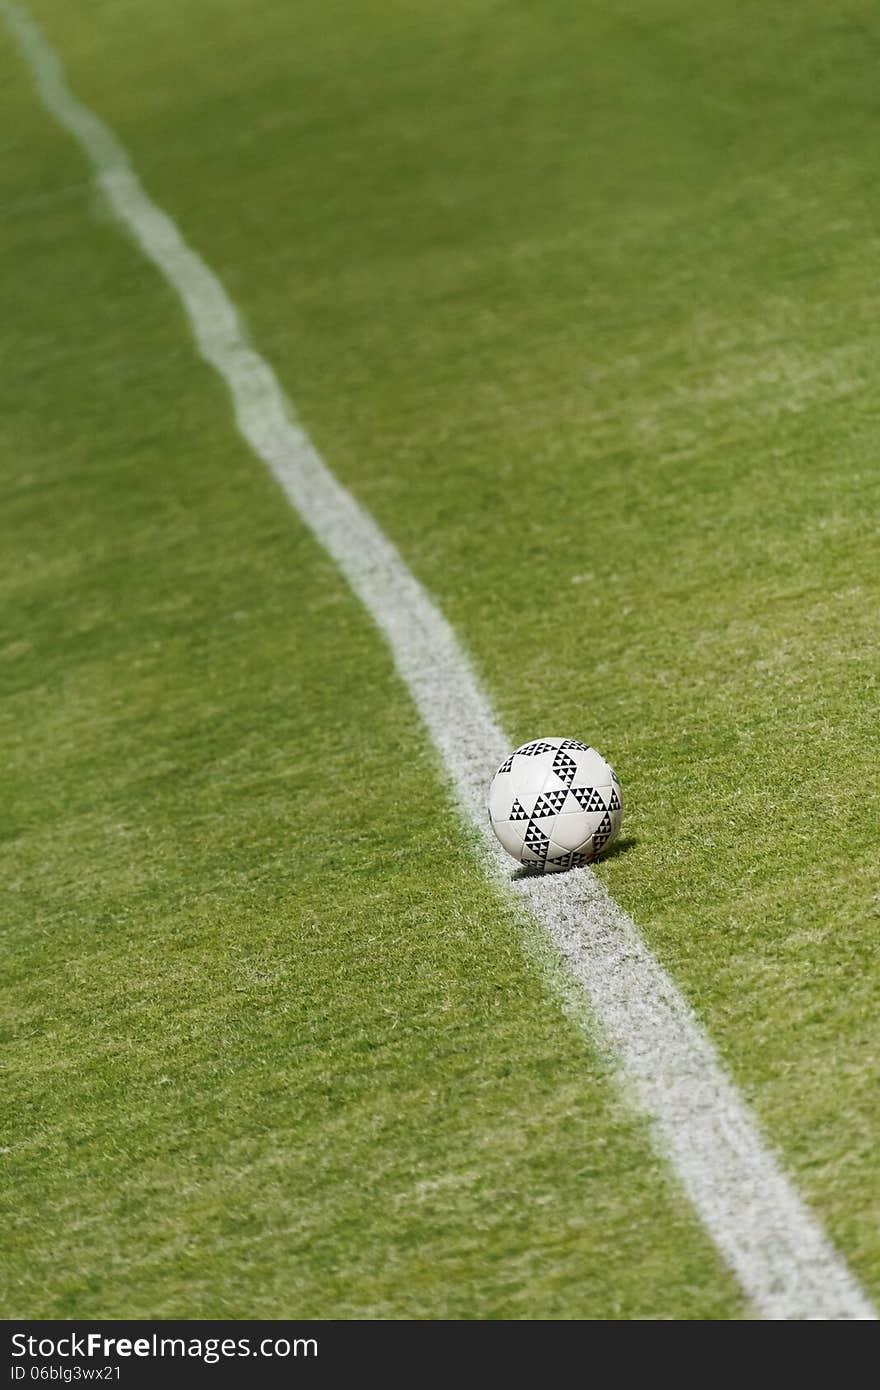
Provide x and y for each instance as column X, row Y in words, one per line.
column 582, row 307
column 272, row 1047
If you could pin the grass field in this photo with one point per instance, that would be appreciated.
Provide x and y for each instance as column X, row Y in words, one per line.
column 580, row 302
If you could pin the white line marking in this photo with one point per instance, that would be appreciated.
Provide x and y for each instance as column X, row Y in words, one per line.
column 784, row 1261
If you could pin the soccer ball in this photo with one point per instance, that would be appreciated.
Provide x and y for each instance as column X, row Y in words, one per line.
column 555, row 804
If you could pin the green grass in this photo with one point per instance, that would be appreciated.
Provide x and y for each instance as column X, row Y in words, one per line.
column 581, row 304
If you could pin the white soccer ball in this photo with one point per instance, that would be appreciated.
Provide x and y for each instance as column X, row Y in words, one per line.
column 555, row 804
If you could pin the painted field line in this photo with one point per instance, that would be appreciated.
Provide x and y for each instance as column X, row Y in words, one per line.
column 784, row 1261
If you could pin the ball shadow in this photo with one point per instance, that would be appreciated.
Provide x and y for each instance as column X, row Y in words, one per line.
column 622, row 846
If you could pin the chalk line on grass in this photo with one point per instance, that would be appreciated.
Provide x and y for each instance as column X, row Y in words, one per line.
column 778, row 1250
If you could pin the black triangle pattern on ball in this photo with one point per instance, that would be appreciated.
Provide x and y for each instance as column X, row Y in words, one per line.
column 588, row 798
column 506, row 765
column 614, row 776
column 518, row 812
column 604, row 827
column 562, row 861
column 573, row 743
column 614, row 803
column 531, row 750
column 536, row 840
column 575, row 859
column 565, row 768
column 550, row 803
